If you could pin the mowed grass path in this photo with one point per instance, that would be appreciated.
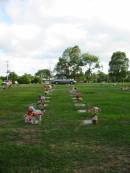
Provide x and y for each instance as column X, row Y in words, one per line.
column 59, row 144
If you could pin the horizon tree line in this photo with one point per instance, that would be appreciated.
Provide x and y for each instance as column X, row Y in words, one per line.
column 81, row 67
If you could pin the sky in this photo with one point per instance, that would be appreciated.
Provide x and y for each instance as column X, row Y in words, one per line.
column 34, row 33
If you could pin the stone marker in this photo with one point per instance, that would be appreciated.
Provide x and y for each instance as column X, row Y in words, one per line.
column 46, row 101
column 82, row 111
column 80, row 104
column 45, row 105
column 48, row 97
column 85, row 122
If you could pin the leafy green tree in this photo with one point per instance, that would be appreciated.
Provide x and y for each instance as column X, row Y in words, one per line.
column 102, row 77
column 36, row 79
column 128, row 78
column 62, row 68
column 79, row 76
column 44, row 74
column 94, row 77
column 90, row 62
column 25, row 79
column 3, row 78
column 69, row 64
column 118, row 66
column 75, row 61
column 13, row 77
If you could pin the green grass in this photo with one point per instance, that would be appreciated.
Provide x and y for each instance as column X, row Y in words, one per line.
column 59, row 144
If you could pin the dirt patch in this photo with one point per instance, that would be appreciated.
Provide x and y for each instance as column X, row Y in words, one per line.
column 115, row 160
column 28, row 141
column 110, row 165
column 6, row 122
column 29, row 136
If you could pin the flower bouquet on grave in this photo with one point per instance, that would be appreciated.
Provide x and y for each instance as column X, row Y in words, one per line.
column 93, row 109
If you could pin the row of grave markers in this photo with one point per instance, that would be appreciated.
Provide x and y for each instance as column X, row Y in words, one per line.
column 78, row 100
column 37, row 110
column 82, row 107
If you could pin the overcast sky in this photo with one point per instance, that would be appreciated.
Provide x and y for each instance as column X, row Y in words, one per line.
column 34, row 33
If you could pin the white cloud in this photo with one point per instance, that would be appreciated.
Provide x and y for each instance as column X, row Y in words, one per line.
column 40, row 30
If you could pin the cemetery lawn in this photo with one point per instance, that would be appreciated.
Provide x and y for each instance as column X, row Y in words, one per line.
column 60, row 144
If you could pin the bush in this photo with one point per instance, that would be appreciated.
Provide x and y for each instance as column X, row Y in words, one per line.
column 25, row 79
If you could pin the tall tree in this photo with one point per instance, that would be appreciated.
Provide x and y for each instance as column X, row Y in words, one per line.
column 90, row 62
column 13, row 77
column 44, row 73
column 75, row 61
column 62, row 68
column 69, row 64
column 118, row 66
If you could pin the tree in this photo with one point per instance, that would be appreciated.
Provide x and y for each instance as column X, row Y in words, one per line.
column 3, row 78
column 79, row 76
column 69, row 64
column 102, row 77
column 44, row 73
column 90, row 62
column 128, row 78
column 62, row 69
column 13, row 77
column 118, row 66
column 94, row 77
column 75, row 61
column 25, row 79
column 36, row 79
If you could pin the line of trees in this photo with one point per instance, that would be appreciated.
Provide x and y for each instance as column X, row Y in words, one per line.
column 73, row 64
column 28, row 78
column 81, row 67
